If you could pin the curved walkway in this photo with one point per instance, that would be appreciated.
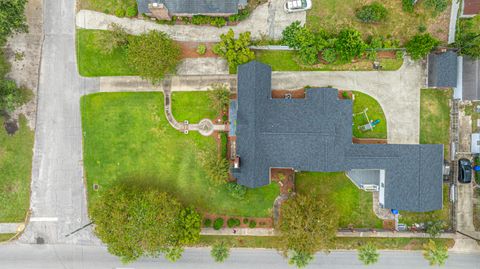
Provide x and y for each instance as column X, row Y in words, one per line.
column 266, row 20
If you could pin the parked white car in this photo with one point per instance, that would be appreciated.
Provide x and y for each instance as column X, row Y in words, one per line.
column 297, row 5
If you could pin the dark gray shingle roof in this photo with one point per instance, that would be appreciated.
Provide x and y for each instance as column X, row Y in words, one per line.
column 315, row 134
column 471, row 79
column 442, row 69
column 192, row 6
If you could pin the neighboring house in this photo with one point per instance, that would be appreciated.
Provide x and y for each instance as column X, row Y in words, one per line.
column 470, row 8
column 442, row 69
column 315, row 134
column 471, row 79
column 165, row 9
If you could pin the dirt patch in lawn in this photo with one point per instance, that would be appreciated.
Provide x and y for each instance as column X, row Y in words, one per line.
column 189, row 49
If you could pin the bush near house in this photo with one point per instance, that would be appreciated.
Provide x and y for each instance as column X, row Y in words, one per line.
column 235, row 51
column 420, row 45
column 218, row 224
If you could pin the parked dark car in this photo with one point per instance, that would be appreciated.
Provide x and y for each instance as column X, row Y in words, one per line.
column 464, row 171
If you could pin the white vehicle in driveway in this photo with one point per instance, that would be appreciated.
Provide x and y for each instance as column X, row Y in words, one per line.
column 297, row 5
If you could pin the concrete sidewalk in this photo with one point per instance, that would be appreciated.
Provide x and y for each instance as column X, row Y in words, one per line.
column 11, row 228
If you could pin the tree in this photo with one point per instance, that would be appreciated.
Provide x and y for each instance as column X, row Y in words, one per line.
column 12, row 18
column 235, row 51
column 349, row 44
column 435, row 253
column 420, row 45
column 136, row 219
column 435, row 228
column 115, row 37
column 300, row 259
column 188, row 226
column 217, row 168
column 375, row 12
column 468, row 37
column 153, row 55
column 220, row 251
column 302, row 39
column 307, row 225
column 220, row 96
column 368, row 254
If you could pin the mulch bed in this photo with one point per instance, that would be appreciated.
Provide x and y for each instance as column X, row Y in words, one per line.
column 261, row 222
column 368, row 140
column 189, row 49
column 341, row 94
column 387, row 54
column 287, row 184
column 296, row 94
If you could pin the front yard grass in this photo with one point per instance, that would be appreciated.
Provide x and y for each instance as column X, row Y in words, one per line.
column 15, row 172
column 353, row 205
column 333, row 15
column 435, row 117
column 286, row 60
column 340, row 242
column 106, row 6
column 374, row 112
column 93, row 63
column 192, row 106
column 126, row 135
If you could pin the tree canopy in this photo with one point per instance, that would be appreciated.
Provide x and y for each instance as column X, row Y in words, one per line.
column 306, row 225
column 420, row 45
column 235, row 51
column 12, row 18
column 368, row 254
column 349, row 44
column 153, row 55
column 220, row 251
column 137, row 220
column 434, row 253
column 468, row 37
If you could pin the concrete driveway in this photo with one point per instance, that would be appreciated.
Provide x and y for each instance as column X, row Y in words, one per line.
column 398, row 92
column 266, row 20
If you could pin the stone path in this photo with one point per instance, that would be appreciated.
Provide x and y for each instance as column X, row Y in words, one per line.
column 381, row 213
column 266, row 20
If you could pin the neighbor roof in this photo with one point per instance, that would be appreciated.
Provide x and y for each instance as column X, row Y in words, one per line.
column 471, row 7
column 315, row 134
column 192, row 6
column 442, row 69
column 471, row 79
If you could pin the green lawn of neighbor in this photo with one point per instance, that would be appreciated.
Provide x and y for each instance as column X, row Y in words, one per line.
column 93, row 63
column 443, row 214
column 106, row 6
column 192, row 106
column 285, row 60
column 435, row 117
column 333, row 15
column 353, row 205
column 374, row 112
column 15, row 172
column 126, row 135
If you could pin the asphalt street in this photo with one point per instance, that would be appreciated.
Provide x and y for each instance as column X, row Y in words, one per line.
column 95, row 257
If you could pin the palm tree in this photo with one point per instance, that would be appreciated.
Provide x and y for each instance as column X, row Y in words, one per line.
column 435, row 253
column 220, row 251
column 368, row 254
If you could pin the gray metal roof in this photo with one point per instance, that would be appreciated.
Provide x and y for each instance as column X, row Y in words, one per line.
column 315, row 134
column 192, row 6
column 471, row 79
column 442, row 69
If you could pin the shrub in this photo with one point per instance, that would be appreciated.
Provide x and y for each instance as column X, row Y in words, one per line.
column 12, row 96
column 242, row 15
column 207, row 222
column 132, row 11
column 407, row 5
column 329, row 55
column 218, row 224
column 237, row 191
column 375, row 12
column 233, row 222
column 153, row 55
column 368, row 254
column 349, row 44
column 422, row 28
column 435, row 228
column 345, row 95
column 115, row 37
column 201, row 49
column 201, row 19
column 245, row 221
column 220, row 251
column 252, row 224
column 235, row 51
column 420, row 45
column 399, row 54
column 437, row 6
column 218, row 22
column 120, row 12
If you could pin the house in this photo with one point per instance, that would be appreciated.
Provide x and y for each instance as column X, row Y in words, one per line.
column 470, row 79
column 470, row 8
column 442, row 69
column 165, row 9
column 315, row 134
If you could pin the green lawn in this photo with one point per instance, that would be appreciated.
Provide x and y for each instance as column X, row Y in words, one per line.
column 444, row 214
column 93, row 63
column 333, row 15
column 375, row 111
column 106, row 6
column 435, row 117
column 126, row 135
column 283, row 60
column 15, row 172
column 192, row 106
column 6, row 237
column 340, row 242
column 353, row 205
